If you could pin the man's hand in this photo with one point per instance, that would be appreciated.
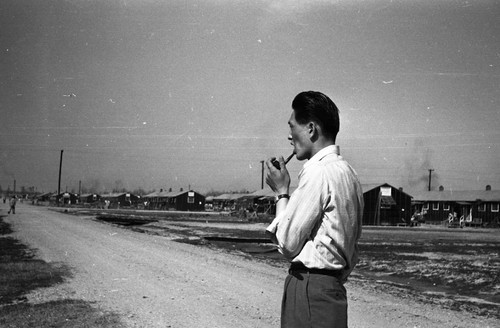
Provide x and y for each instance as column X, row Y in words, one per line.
column 278, row 180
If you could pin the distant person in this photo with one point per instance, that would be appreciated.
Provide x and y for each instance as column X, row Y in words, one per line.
column 12, row 204
column 316, row 228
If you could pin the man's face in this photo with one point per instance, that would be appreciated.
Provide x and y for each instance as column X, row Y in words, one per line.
column 299, row 138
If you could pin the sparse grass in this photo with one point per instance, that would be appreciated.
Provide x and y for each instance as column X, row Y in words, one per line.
column 19, row 277
column 65, row 313
column 21, row 273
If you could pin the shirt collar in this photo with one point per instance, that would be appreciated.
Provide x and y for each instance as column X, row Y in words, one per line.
column 328, row 150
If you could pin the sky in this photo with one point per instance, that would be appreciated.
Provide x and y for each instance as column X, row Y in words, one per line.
column 196, row 93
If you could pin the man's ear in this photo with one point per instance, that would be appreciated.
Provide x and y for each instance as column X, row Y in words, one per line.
column 312, row 129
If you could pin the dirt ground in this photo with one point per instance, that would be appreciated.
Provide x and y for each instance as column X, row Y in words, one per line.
column 453, row 268
column 153, row 281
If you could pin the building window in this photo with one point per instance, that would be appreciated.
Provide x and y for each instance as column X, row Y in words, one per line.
column 435, row 206
column 191, row 197
column 426, row 206
column 481, row 207
column 446, row 207
column 385, row 191
column 494, row 207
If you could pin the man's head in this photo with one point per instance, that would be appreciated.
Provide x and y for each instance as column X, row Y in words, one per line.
column 314, row 123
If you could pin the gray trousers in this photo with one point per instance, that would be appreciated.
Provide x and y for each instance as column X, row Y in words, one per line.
column 312, row 300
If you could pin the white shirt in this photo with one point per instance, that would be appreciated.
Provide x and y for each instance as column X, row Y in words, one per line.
column 321, row 224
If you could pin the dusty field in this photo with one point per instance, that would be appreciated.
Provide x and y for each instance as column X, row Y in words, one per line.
column 457, row 269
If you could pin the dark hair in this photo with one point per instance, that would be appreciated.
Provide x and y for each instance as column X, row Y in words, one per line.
column 317, row 107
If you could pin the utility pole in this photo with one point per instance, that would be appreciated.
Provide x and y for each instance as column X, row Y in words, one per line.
column 59, row 184
column 262, row 176
column 430, row 177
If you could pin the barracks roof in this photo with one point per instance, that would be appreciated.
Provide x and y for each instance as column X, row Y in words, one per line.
column 458, row 195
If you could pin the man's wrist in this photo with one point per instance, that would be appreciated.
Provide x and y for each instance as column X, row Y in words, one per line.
column 281, row 196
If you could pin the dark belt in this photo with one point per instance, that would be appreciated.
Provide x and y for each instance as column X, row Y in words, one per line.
column 297, row 267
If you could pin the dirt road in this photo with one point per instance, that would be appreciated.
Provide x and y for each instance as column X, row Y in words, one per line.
column 152, row 281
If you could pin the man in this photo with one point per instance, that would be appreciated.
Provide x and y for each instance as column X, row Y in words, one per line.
column 12, row 204
column 317, row 228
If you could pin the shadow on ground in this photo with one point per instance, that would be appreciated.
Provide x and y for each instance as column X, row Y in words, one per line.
column 21, row 273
